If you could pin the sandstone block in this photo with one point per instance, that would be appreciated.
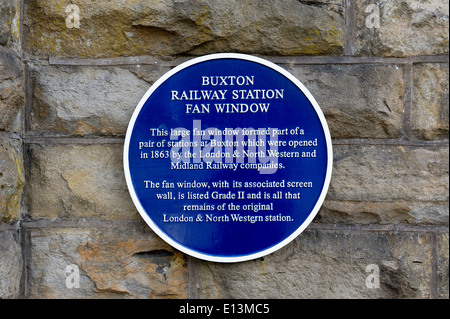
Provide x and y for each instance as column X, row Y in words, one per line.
column 359, row 101
column 166, row 28
column 10, row 23
column 383, row 212
column 92, row 101
column 83, row 101
column 387, row 185
column 11, row 179
column 122, row 261
column 327, row 264
column 72, row 182
column 429, row 115
column 10, row 264
column 11, row 89
column 402, row 27
column 389, row 173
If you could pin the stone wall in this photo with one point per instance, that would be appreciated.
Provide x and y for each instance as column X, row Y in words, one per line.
column 71, row 76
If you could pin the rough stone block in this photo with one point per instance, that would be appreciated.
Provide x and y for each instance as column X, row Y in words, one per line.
column 389, row 173
column 383, row 212
column 11, row 90
column 83, row 101
column 11, row 179
column 387, row 185
column 10, row 264
column 10, row 23
column 359, row 101
column 166, row 28
column 72, row 182
column 327, row 264
column 120, row 261
column 402, row 27
column 429, row 115
column 63, row 104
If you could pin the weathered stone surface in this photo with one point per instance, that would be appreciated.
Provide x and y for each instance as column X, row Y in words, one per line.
column 77, row 207
column 406, row 28
column 443, row 268
column 10, row 23
column 326, row 264
column 429, row 115
column 10, row 264
column 83, row 101
column 359, row 101
column 390, row 173
column 11, row 89
column 121, row 261
column 71, row 182
column 11, row 178
column 165, row 28
column 387, row 185
column 383, row 212
column 64, row 104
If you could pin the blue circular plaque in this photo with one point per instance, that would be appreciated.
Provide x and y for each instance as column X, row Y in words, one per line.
column 228, row 157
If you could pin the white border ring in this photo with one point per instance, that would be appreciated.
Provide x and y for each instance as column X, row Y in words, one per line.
column 194, row 253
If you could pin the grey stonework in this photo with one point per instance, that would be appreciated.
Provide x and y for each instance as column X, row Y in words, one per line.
column 378, row 69
column 11, row 264
column 11, row 90
column 166, row 28
column 324, row 263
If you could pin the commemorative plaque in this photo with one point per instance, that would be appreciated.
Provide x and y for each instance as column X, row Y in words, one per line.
column 228, row 157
